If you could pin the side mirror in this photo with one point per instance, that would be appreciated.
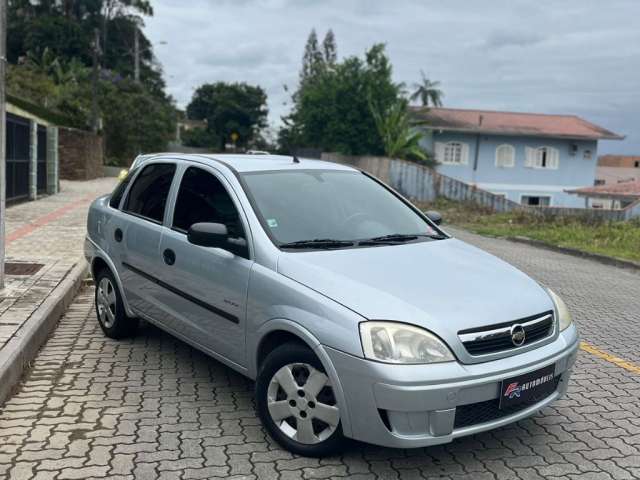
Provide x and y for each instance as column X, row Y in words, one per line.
column 209, row 235
column 434, row 216
column 216, row 235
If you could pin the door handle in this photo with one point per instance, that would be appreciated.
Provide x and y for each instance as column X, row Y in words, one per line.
column 169, row 256
column 117, row 235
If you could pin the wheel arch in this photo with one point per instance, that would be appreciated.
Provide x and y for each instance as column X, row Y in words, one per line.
column 101, row 261
column 277, row 330
column 97, row 265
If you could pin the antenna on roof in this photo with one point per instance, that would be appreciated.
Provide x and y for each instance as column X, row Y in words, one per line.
column 295, row 158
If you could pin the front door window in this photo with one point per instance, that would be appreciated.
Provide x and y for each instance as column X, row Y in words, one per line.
column 203, row 198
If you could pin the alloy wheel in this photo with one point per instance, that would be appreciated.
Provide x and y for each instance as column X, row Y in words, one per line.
column 106, row 302
column 302, row 404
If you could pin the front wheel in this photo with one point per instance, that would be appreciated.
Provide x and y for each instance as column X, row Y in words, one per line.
column 296, row 402
column 110, row 309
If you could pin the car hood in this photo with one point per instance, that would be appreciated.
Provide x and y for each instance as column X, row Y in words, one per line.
column 442, row 285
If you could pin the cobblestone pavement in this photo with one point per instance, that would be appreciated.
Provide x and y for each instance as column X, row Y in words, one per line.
column 152, row 407
column 53, row 226
column 48, row 232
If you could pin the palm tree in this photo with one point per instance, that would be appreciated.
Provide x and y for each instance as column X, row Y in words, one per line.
column 400, row 137
column 428, row 92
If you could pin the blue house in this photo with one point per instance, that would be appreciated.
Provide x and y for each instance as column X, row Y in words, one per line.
column 529, row 158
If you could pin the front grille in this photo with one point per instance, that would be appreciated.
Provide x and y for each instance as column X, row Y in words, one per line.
column 497, row 338
column 483, row 412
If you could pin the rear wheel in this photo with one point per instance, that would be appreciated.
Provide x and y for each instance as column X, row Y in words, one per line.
column 110, row 309
column 296, row 402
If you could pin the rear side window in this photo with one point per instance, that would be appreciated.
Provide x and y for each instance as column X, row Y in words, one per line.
column 202, row 198
column 117, row 194
column 148, row 195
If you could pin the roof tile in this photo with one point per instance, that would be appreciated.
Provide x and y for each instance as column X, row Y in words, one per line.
column 512, row 123
column 623, row 189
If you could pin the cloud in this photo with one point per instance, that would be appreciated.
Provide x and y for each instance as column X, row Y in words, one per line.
column 252, row 55
column 544, row 56
column 505, row 38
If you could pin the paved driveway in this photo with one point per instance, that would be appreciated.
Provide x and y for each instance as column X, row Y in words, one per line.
column 153, row 407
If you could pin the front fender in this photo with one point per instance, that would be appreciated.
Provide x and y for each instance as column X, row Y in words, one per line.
column 92, row 253
column 283, row 324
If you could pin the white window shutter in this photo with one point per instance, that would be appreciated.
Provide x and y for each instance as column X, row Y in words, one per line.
column 464, row 154
column 553, row 158
column 511, row 156
column 505, row 156
column 530, row 157
column 500, row 156
column 439, row 151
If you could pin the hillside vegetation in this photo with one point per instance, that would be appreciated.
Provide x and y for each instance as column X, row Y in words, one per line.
column 613, row 239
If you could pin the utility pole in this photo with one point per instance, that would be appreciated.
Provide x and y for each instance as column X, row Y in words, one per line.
column 3, row 131
column 136, row 53
column 94, row 81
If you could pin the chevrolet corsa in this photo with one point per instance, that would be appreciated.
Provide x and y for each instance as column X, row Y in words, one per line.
column 355, row 313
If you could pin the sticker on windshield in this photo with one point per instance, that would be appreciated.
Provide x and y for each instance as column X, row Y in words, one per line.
column 272, row 222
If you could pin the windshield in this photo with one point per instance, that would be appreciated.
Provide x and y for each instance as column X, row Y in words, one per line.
column 303, row 205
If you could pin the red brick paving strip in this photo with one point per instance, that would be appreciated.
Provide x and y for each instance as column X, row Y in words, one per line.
column 46, row 219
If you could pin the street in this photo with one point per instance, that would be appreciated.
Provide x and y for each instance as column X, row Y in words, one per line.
column 153, row 407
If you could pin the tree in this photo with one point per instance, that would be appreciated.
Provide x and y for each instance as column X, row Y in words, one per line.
column 333, row 112
column 400, row 137
column 329, row 48
column 114, row 9
column 312, row 60
column 67, row 29
column 230, row 108
column 135, row 121
column 63, row 37
column 427, row 92
column 50, row 54
column 200, row 138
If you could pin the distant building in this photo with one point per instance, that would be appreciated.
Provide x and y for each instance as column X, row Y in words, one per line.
column 617, row 169
column 184, row 124
column 609, row 196
column 528, row 158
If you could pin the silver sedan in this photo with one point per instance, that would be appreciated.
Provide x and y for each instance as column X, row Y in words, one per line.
column 357, row 315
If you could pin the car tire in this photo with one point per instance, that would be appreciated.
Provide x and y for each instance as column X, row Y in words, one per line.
column 296, row 402
column 110, row 309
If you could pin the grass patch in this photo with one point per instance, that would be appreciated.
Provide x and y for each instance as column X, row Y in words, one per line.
column 614, row 239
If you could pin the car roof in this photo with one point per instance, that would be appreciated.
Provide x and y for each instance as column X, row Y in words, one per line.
column 248, row 163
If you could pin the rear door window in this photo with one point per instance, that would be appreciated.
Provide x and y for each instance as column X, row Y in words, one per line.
column 148, row 195
column 117, row 194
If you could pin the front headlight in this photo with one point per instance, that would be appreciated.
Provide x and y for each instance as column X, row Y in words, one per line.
column 564, row 317
column 393, row 342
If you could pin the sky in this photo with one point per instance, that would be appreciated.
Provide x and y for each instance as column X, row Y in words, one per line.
column 577, row 57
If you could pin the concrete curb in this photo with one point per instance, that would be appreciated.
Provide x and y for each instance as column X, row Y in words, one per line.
column 24, row 346
column 616, row 262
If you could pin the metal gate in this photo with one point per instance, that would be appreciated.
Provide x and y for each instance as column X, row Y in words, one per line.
column 42, row 159
column 17, row 165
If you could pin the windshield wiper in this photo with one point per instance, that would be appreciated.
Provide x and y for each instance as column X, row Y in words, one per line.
column 399, row 238
column 318, row 243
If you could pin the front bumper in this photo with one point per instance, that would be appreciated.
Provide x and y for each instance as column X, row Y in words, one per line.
column 415, row 405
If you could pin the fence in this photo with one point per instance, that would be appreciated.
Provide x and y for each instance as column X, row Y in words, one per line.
column 18, row 157
column 424, row 184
